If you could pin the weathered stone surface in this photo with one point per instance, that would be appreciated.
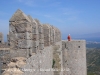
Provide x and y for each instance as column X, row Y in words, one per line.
column 51, row 35
column 40, row 29
column 25, row 44
column 12, row 28
column 53, row 30
column 26, row 35
column 46, row 31
column 74, row 53
column 23, row 27
column 41, row 45
column 35, row 37
column 35, row 43
column 18, row 16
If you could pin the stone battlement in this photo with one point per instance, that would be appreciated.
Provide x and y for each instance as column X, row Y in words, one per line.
column 33, row 45
column 28, row 34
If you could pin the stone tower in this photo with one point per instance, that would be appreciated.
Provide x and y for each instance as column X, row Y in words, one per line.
column 74, row 57
column 20, row 33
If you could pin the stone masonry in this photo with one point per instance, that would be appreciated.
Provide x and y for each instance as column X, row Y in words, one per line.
column 34, row 48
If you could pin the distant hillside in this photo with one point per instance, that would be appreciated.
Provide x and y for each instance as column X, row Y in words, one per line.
column 87, row 37
column 93, row 45
column 93, row 61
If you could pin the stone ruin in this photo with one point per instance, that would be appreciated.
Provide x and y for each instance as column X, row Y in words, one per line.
column 28, row 36
column 32, row 45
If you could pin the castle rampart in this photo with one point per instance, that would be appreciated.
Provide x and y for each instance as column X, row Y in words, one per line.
column 36, row 46
column 74, row 57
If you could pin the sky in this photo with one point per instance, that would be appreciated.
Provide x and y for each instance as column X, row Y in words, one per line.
column 75, row 17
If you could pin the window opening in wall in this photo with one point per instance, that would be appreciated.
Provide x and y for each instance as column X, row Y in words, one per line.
column 0, row 41
column 78, row 46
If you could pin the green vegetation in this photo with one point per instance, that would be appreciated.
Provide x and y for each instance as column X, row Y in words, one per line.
column 53, row 63
column 93, row 61
column 90, row 73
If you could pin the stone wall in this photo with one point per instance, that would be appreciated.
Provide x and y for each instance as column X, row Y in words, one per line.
column 74, row 57
column 30, row 39
column 20, row 35
column 57, row 58
column 39, row 63
column 28, row 35
column 35, row 46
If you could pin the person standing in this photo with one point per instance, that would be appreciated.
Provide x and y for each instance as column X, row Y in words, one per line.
column 69, row 37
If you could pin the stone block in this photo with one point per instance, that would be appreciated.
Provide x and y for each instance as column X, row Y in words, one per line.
column 41, row 40
column 46, row 39
column 35, row 31
column 13, row 36
column 35, row 43
column 29, row 28
column 40, row 29
column 35, row 37
column 46, row 43
column 20, row 35
column 23, row 27
column 19, row 53
column 34, row 49
column 13, row 44
column 25, row 44
column 46, row 32
column 26, row 35
column 41, row 46
column 41, row 36
column 12, row 28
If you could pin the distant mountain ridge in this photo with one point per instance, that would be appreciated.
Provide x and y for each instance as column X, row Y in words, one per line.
column 95, row 37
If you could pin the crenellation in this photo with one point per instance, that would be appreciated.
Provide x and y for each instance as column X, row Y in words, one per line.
column 19, row 16
column 41, row 37
column 56, row 34
column 33, row 45
column 51, row 35
column 53, row 30
column 20, row 25
column 46, row 30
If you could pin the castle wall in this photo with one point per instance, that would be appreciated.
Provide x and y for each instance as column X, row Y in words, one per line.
column 46, row 31
column 36, row 46
column 40, row 62
column 40, row 35
column 53, row 31
column 74, row 57
column 20, row 35
column 4, row 58
column 57, row 58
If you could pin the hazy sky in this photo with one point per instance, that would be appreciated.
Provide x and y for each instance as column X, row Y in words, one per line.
column 70, row 16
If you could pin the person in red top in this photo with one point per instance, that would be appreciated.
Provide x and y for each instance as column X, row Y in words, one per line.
column 69, row 38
